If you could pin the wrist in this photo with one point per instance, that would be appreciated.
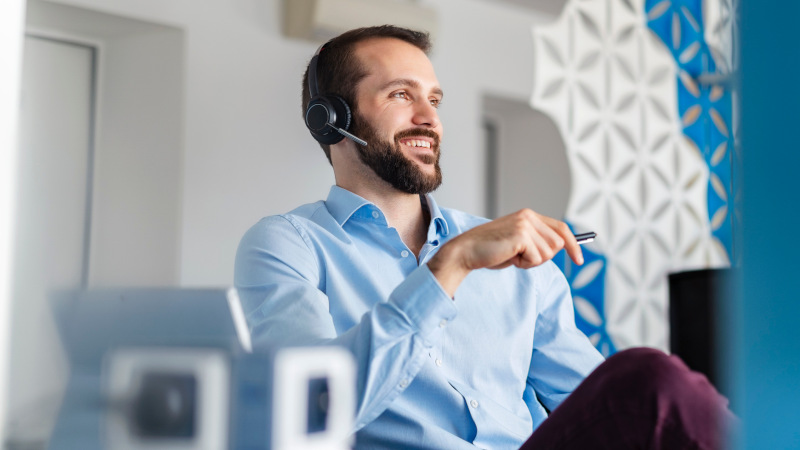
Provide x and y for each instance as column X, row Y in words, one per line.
column 448, row 268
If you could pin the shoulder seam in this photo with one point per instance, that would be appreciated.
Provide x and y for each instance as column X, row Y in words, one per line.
column 300, row 232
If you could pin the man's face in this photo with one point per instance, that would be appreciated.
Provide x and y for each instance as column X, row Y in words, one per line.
column 396, row 114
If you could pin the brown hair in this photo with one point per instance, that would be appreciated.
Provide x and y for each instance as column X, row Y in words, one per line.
column 339, row 71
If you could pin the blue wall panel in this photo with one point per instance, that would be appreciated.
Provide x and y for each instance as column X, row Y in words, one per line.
column 768, row 345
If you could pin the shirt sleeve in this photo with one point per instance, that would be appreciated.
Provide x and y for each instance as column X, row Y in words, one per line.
column 278, row 277
column 562, row 354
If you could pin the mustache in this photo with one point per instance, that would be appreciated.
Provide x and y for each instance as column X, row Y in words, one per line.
column 424, row 132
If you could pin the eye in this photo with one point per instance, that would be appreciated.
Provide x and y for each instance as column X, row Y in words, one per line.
column 401, row 94
column 436, row 102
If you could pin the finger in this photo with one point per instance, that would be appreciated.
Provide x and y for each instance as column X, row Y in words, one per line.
column 548, row 239
column 531, row 254
column 571, row 244
column 574, row 250
column 542, row 236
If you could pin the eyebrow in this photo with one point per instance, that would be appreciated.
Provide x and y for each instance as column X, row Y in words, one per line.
column 409, row 82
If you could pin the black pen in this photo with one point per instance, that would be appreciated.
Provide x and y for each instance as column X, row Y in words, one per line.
column 585, row 238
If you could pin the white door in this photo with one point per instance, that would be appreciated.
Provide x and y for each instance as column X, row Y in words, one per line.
column 53, row 204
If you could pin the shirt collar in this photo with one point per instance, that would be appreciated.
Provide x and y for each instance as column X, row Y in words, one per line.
column 437, row 218
column 342, row 204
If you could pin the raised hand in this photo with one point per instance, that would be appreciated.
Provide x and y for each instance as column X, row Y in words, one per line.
column 523, row 239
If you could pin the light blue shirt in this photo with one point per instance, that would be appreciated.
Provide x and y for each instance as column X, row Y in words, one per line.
column 433, row 372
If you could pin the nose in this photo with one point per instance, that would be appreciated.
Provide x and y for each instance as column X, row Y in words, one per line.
column 425, row 115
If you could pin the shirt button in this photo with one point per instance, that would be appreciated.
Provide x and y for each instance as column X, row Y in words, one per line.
column 403, row 383
column 375, row 214
column 438, row 362
column 473, row 403
column 404, row 253
column 442, row 323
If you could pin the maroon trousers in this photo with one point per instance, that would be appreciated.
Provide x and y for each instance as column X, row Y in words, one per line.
column 638, row 399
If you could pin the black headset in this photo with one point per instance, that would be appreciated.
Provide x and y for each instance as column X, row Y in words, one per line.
column 328, row 117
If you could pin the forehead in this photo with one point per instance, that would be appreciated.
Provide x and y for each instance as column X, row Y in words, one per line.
column 386, row 59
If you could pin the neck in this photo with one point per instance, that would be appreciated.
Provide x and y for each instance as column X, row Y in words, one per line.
column 403, row 211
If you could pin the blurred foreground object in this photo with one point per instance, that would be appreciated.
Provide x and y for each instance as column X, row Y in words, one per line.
column 321, row 20
column 170, row 368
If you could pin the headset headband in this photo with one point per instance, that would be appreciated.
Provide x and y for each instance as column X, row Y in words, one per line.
column 312, row 72
column 327, row 117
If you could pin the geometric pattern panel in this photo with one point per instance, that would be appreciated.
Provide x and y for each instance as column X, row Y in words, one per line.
column 609, row 84
column 721, row 34
column 705, row 109
column 588, row 293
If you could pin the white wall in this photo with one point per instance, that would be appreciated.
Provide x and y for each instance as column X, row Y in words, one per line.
column 531, row 168
column 246, row 152
column 137, row 168
column 50, row 219
column 200, row 131
column 138, row 174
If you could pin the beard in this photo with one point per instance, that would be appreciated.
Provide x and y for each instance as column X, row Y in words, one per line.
column 390, row 164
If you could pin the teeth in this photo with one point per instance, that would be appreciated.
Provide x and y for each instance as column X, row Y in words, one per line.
column 416, row 143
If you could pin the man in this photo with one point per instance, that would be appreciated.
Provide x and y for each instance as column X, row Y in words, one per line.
column 463, row 329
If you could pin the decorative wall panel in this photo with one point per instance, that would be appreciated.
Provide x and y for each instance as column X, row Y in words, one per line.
column 705, row 109
column 611, row 86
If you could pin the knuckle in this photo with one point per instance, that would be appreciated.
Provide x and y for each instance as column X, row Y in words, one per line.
column 522, row 214
column 526, row 213
column 520, row 226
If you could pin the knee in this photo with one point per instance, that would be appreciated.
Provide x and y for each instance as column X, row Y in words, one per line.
column 651, row 372
column 678, row 405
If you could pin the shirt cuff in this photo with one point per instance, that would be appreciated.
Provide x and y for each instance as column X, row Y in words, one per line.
column 422, row 299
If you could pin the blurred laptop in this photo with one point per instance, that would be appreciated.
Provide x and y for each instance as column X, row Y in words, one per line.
column 97, row 323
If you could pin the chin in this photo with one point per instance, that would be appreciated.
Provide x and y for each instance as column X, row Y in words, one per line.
column 429, row 170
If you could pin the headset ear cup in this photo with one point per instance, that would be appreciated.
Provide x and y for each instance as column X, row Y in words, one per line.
column 319, row 113
column 344, row 117
column 324, row 110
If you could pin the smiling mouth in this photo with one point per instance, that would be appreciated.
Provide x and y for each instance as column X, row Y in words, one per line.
column 416, row 143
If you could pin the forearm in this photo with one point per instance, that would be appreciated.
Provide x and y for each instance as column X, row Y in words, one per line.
column 389, row 342
column 393, row 340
